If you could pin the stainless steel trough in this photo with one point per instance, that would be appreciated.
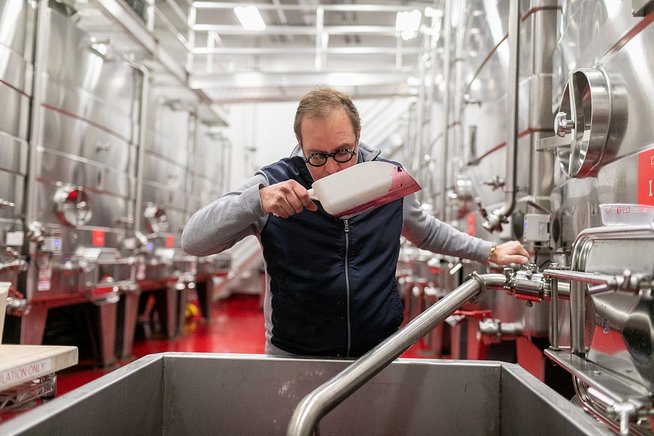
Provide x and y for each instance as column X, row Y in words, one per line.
column 226, row 394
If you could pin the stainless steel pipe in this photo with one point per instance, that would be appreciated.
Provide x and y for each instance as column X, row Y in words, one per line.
column 327, row 396
column 497, row 217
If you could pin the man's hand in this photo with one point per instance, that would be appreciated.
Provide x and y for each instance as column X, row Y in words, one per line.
column 509, row 252
column 285, row 199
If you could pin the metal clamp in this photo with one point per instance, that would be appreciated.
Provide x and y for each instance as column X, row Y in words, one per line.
column 18, row 306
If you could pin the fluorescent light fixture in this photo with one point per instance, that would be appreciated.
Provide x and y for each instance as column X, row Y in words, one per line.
column 433, row 13
column 250, row 17
column 407, row 23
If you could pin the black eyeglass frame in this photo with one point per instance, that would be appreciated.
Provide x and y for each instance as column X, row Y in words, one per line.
column 326, row 156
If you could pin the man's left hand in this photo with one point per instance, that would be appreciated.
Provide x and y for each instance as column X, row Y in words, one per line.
column 508, row 253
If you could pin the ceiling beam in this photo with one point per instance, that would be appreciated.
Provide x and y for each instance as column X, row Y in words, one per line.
column 304, row 50
column 304, row 79
column 225, row 29
column 308, row 7
column 356, row 94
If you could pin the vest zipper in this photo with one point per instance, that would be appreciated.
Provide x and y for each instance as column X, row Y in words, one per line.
column 347, row 284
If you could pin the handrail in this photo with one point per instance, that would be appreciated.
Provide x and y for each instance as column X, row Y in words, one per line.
column 581, row 248
column 327, row 396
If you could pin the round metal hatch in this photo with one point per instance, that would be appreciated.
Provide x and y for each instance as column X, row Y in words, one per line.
column 72, row 205
column 585, row 115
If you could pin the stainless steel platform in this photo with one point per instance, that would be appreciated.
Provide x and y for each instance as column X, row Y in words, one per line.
column 198, row 393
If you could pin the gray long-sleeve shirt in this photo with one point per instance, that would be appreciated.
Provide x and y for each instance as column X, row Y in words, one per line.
column 227, row 220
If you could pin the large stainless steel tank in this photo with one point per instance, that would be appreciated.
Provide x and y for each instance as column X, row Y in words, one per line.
column 574, row 93
column 603, row 94
column 208, row 182
column 16, row 72
column 177, row 393
column 168, row 272
column 81, row 182
column 604, row 57
column 482, row 99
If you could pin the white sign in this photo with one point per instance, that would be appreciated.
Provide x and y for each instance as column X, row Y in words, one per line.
column 25, row 373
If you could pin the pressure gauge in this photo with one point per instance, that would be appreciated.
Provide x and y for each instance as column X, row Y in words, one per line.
column 72, row 205
column 156, row 220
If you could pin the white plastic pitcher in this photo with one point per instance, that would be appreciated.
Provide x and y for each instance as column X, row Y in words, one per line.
column 362, row 187
column 4, row 291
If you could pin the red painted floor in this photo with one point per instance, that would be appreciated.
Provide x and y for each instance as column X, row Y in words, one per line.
column 237, row 326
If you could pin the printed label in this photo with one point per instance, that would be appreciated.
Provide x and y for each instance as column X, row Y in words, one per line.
column 140, row 271
column 15, row 239
column 646, row 177
column 25, row 373
column 45, row 277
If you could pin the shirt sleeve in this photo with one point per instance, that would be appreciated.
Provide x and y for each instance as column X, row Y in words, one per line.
column 429, row 233
column 221, row 224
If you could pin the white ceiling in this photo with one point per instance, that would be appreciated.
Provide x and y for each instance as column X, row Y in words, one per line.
column 349, row 44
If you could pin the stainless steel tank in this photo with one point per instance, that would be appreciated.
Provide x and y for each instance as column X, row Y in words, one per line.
column 16, row 71
column 601, row 57
column 81, row 181
column 168, row 273
column 184, row 393
column 208, row 174
column 604, row 152
column 483, row 100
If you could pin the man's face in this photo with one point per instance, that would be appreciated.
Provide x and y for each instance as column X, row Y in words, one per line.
column 328, row 136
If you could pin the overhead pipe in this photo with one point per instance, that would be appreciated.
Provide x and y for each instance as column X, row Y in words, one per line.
column 420, row 120
column 494, row 220
column 38, row 98
column 542, row 164
column 140, row 154
column 447, row 16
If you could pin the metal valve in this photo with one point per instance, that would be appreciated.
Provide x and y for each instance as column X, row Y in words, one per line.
column 482, row 209
column 562, row 125
column 495, row 183
column 37, row 232
column 6, row 203
column 18, row 306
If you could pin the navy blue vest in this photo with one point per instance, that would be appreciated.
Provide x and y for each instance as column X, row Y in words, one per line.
column 334, row 292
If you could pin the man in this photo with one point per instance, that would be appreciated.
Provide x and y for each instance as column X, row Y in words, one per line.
column 331, row 288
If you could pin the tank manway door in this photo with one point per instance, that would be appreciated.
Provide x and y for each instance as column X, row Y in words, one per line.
column 590, row 104
column 72, row 205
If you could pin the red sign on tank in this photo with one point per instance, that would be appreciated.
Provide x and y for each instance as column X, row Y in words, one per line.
column 646, row 177
column 98, row 238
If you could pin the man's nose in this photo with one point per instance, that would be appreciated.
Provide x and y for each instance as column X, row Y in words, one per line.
column 331, row 166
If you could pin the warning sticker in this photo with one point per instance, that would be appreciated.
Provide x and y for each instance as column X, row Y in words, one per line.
column 24, row 373
column 646, row 177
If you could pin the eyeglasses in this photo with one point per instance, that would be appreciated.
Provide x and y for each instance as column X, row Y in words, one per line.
column 319, row 159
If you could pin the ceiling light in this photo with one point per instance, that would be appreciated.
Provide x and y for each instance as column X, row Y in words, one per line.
column 250, row 17
column 433, row 13
column 408, row 23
